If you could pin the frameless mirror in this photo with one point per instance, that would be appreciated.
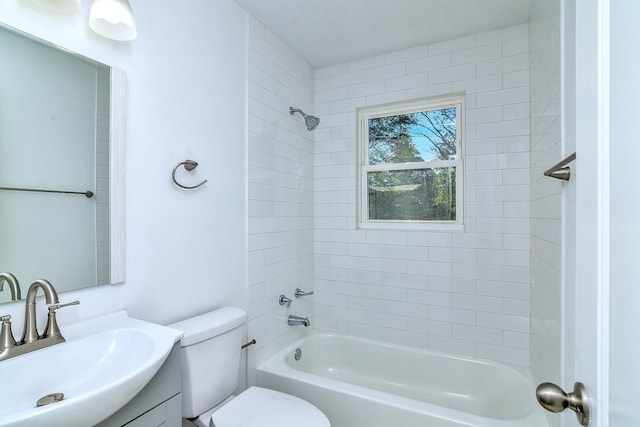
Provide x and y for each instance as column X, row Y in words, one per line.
column 61, row 166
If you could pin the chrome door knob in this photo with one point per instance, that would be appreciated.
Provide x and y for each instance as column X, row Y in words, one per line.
column 554, row 399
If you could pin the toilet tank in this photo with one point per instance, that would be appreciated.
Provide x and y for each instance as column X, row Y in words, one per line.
column 210, row 358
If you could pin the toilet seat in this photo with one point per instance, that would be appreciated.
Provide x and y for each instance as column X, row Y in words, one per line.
column 260, row 407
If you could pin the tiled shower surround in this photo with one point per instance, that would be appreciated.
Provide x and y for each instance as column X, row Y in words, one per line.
column 280, row 190
column 546, row 227
column 460, row 292
column 464, row 292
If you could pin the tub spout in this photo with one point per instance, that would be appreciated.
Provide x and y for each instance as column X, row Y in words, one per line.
column 297, row 321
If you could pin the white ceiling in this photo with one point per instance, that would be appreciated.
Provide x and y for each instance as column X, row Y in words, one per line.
column 327, row 32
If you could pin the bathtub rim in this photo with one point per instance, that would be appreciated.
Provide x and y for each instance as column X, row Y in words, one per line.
column 309, row 334
column 276, row 365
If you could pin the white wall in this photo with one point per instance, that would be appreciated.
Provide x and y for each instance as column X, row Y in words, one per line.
column 460, row 292
column 280, row 192
column 545, row 254
column 186, row 250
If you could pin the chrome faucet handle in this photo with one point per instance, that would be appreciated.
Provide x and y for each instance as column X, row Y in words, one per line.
column 54, row 307
column 300, row 293
column 6, row 336
column 52, row 329
column 283, row 300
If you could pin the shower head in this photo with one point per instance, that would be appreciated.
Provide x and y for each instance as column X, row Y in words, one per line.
column 312, row 122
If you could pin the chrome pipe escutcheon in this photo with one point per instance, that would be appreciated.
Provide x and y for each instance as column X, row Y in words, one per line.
column 283, row 300
column 554, row 399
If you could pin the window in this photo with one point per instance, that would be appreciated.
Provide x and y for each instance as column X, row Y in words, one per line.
column 410, row 164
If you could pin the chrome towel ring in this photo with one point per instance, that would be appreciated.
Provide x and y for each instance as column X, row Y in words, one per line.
column 188, row 165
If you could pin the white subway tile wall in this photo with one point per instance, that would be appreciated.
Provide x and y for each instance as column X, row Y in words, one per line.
column 545, row 254
column 280, row 189
column 460, row 292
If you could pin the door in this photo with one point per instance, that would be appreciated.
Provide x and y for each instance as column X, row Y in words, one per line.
column 624, row 180
column 602, row 207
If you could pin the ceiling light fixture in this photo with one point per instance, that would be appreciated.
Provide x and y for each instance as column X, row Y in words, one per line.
column 113, row 19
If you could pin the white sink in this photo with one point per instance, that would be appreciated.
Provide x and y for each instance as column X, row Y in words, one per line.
column 103, row 364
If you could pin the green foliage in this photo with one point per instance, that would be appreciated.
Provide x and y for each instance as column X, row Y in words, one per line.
column 439, row 127
column 390, row 140
column 415, row 194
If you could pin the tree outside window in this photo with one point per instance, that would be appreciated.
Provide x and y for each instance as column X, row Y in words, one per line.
column 410, row 162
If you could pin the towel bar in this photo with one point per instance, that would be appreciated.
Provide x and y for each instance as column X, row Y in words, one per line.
column 561, row 170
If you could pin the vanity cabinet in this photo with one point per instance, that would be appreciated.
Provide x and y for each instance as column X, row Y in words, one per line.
column 159, row 403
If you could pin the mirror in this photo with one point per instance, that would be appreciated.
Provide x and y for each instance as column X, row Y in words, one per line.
column 61, row 166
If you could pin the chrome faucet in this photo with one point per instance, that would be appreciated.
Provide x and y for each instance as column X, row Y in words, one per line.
column 30, row 333
column 14, row 287
column 298, row 321
column 31, row 340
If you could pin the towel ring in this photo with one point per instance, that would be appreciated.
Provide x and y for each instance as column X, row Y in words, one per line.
column 188, row 165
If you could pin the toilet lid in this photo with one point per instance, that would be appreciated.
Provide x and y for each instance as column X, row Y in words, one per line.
column 260, row 407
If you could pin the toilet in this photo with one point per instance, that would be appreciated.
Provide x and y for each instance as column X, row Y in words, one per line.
column 210, row 367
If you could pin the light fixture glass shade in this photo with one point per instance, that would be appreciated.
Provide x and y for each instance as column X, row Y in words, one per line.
column 64, row 6
column 113, row 19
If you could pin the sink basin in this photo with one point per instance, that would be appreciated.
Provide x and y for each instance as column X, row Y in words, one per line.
column 103, row 364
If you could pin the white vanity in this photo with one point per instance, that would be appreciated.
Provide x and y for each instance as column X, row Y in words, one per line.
column 111, row 370
column 158, row 404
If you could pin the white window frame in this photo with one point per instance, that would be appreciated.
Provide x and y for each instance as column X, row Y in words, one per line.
column 407, row 107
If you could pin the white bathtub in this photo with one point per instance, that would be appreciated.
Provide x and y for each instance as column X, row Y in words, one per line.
column 362, row 383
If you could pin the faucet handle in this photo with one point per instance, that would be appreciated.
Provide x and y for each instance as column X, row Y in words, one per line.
column 52, row 328
column 283, row 300
column 300, row 293
column 6, row 336
column 53, row 307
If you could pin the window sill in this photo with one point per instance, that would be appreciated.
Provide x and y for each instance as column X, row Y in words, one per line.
column 411, row 226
